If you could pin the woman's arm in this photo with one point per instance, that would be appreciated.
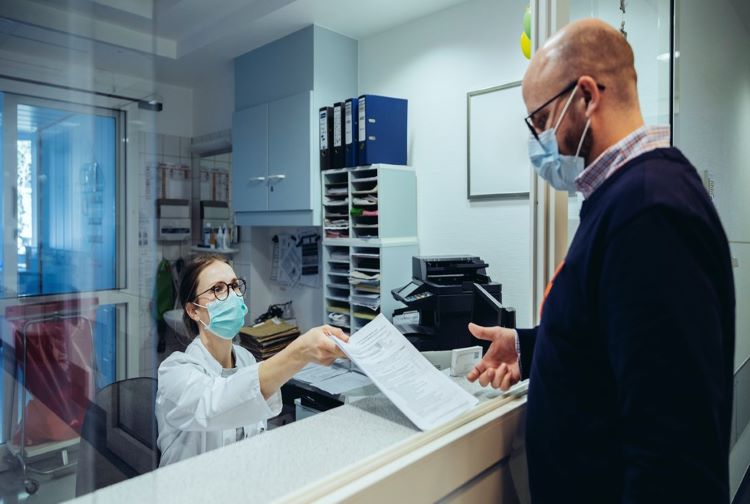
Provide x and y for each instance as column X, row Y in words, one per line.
column 313, row 346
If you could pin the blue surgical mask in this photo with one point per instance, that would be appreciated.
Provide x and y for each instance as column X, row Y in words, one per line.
column 558, row 169
column 225, row 317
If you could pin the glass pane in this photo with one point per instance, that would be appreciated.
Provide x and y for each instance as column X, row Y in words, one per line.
column 3, row 380
column 66, row 201
column 60, row 345
column 62, row 352
column 712, row 128
column 647, row 26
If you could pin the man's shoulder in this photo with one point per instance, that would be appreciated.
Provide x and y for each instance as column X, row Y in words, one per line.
column 659, row 178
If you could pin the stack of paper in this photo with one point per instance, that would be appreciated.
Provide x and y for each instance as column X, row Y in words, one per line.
column 336, row 202
column 268, row 338
column 422, row 393
column 366, row 200
column 337, row 224
column 360, row 278
column 336, row 379
column 371, row 301
column 339, row 320
column 314, row 372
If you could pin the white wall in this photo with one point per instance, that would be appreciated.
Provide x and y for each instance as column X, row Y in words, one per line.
column 213, row 101
column 434, row 62
column 253, row 262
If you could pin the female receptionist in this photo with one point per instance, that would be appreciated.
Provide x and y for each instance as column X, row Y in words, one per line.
column 215, row 393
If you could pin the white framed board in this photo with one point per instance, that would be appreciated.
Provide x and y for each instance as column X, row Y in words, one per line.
column 497, row 139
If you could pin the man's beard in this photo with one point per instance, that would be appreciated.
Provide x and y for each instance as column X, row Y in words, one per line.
column 573, row 138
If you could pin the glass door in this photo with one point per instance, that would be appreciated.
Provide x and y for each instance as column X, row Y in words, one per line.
column 59, row 314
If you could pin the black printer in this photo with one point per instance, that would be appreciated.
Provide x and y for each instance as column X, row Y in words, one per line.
column 444, row 295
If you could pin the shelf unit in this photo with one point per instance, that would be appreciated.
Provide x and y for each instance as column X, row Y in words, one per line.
column 370, row 229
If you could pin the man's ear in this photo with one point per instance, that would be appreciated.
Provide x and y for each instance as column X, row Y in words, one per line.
column 590, row 94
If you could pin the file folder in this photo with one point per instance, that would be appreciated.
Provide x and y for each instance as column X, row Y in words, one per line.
column 337, row 160
column 350, row 132
column 326, row 137
column 382, row 130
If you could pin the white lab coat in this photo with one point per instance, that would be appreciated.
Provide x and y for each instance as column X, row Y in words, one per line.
column 198, row 409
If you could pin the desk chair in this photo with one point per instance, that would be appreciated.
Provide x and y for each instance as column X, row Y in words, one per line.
column 118, row 438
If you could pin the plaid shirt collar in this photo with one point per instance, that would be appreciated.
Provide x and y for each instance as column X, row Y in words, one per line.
column 640, row 141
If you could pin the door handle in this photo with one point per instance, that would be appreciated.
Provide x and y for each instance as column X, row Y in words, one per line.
column 257, row 179
column 275, row 178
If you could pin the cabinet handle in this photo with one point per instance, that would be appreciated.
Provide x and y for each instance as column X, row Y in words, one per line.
column 276, row 178
column 257, row 179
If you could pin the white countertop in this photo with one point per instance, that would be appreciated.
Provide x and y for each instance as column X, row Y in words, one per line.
column 280, row 461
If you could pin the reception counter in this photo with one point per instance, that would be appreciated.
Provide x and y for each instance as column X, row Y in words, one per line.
column 363, row 451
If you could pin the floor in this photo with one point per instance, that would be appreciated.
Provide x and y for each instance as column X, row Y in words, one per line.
column 51, row 490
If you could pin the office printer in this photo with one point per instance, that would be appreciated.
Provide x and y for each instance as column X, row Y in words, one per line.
column 444, row 295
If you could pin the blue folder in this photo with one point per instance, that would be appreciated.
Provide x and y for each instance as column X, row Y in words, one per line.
column 382, row 130
column 350, row 132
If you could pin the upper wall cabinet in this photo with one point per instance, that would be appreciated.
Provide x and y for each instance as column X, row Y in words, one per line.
column 278, row 89
column 273, row 143
column 250, row 150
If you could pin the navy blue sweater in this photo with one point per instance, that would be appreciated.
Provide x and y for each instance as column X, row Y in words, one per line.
column 631, row 367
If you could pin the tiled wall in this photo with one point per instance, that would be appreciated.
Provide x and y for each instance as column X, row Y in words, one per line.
column 170, row 151
column 214, row 177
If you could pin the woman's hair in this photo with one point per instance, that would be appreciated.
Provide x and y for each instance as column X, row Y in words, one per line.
column 189, row 286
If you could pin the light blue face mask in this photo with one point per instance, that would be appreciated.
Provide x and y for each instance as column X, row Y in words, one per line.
column 558, row 169
column 226, row 317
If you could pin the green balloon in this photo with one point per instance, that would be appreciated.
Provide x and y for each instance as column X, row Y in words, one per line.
column 527, row 22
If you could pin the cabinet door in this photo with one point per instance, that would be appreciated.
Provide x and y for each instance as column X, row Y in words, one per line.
column 289, row 148
column 250, row 159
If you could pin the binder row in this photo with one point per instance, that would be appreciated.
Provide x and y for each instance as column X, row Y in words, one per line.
column 363, row 131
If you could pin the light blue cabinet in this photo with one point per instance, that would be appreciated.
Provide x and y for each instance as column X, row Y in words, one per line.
column 273, row 160
column 279, row 88
column 289, row 153
column 250, row 167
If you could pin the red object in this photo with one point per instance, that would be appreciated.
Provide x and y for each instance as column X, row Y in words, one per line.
column 57, row 362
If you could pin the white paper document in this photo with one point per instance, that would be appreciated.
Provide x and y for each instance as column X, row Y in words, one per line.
column 343, row 383
column 422, row 393
column 314, row 373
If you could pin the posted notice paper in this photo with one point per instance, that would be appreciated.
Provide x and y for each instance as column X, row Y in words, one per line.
column 422, row 393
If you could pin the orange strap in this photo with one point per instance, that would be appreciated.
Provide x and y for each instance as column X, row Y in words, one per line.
column 549, row 287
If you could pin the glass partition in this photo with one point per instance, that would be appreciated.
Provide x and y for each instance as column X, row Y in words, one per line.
column 647, row 24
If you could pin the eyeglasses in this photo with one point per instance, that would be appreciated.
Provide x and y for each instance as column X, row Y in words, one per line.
column 220, row 290
column 529, row 119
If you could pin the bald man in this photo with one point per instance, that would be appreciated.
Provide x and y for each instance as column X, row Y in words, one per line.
column 630, row 368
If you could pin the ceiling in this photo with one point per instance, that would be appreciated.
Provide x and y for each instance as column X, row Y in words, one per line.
column 179, row 41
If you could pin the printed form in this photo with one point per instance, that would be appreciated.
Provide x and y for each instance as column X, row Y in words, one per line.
column 422, row 393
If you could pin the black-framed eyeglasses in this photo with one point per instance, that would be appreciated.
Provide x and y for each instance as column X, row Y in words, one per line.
column 221, row 289
column 529, row 119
